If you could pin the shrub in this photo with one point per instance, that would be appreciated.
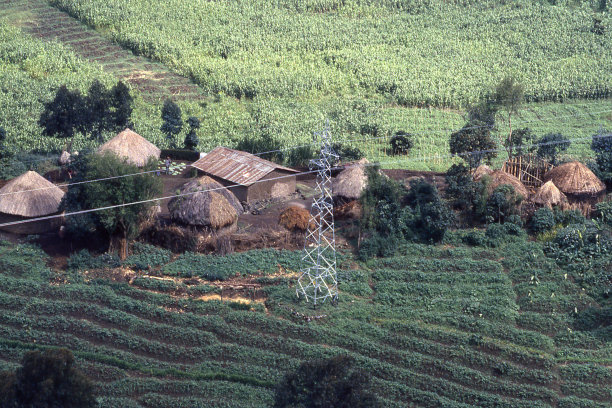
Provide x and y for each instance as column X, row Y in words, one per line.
column 300, row 156
column 462, row 190
column 401, row 143
column 543, row 220
column 145, row 256
column 83, row 260
column 603, row 212
column 431, row 216
column 601, row 144
column 503, row 203
column 569, row 217
column 551, row 145
column 378, row 246
column 347, row 153
column 180, row 154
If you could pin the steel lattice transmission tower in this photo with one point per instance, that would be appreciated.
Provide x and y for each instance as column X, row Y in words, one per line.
column 317, row 281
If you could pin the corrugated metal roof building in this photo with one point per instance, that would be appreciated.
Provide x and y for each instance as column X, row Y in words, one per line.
column 249, row 177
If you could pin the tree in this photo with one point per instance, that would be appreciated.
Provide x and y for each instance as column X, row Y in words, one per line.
column 473, row 143
column 173, row 122
column 122, row 105
column 64, row 115
column 431, row 216
column 191, row 140
column 97, row 105
column 122, row 223
column 509, row 95
column 3, row 153
column 601, row 144
column 515, row 145
column 401, row 143
column 331, row 383
column 46, row 380
column 503, row 203
column 550, row 145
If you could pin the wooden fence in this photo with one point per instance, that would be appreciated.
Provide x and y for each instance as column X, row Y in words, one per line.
column 529, row 169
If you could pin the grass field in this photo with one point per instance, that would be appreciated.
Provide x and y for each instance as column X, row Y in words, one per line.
column 450, row 326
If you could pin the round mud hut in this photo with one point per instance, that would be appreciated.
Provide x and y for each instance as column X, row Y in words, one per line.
column 205, row 203
column 350, row 182
column 132, row 147
column 548, row 195
column 30, row 196
column 499, row 178
column 577, row 182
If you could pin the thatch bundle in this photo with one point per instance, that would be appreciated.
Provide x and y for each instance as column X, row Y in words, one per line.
column 294, row 218
column 209, row 205
column 499, row 178
column 480, row 171
column 64, row 158
column 548, row 195
column 131, row 146
column 351, row 181
column 576, row 179
column 30, row 195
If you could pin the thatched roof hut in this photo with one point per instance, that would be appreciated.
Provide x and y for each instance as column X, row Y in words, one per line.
column 131, row 146
column 499, row 178
column 548, row 195
column 29, row 196
column 351, row 181
column 481, row 170
column 575, row 179
column 209, row 205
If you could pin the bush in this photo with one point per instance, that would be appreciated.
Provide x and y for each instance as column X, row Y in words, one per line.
column 431, row 216
column 84, row 260
column 601, row 144
column 378, row 246
column 603, row 212
column 180, row 154
column 503, row 203
column 401, row 143
column 462, row 191
column 347, row 153
column 543, row 220
column 569, row 217
column 300, row 156
column 579, row 242
column 145, row 256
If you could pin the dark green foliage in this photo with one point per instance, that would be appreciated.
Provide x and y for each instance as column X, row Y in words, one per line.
column 64, row 115
column 462, row 191
column 47, row 380
column 122, row 105
column 516, row 143
column 191, row 140
column 347, row 153
column 265, row 146
column 97, row 106
column 431, row 216
column 173, row 121
column 300, row 156
column 145, row 256
column 542, row 220
column 603, row 212
column 401, row 143
column 84, row 260
column 180, row 154
column 381, row 202
column 601, row 144
column 473, row 142
column 580, row 242
column 333, row 382
column 551, row 145
column 120, row 223
column 598, row 27
column 378, row 246
column 10, row 168
column 569, row 217
column 3, row 151
column 503, row 203
column 509, row 96
column 593, row 318
column 27, row 262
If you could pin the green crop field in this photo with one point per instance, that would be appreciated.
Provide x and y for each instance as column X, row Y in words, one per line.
column 280, row 69
column 447, row 325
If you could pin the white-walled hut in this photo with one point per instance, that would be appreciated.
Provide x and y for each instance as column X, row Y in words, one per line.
column 249, row 177
column 30, row 196
column 132, row 147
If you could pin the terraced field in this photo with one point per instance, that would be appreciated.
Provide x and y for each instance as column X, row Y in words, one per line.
column 154, row 81
column 443, row 326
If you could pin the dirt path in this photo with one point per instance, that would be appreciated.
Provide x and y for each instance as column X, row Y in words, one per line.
column 154, row 81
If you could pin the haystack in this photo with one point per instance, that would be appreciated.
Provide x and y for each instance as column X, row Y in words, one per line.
column 351, row 181
column 208, row 205
column 294, row 218
column 480, row 171
column 499, row 178
column 548, row 195
column 131, row 146
column 29, row 196
column 575, row 179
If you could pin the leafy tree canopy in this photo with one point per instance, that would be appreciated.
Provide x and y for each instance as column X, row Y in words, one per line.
column 601, row 144
column 173, row 121
column 191, row 140
column 64, row 115
column 550, row 145
column 401, row 143
column 329, row 383
column 46, row 380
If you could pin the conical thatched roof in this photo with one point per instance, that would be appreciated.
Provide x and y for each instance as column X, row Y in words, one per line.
column 575, row 178
column 548, row 195
column 481, row 170
column 130, row 145
column 216, row 209
column 351, row 181
column 499, row 178
column 42, row 197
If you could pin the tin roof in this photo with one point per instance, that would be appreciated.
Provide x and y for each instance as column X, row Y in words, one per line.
column 236, row 166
